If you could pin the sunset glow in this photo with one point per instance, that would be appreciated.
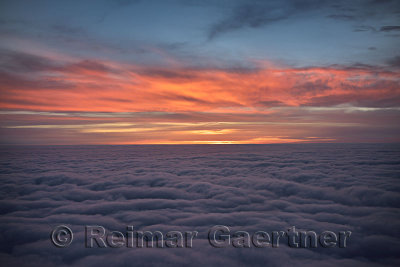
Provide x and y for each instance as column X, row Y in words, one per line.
column 52, row 95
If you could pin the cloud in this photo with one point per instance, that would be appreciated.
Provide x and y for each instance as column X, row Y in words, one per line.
column 255, row 14
column 268, row 187
column 246, row 16
column 341, row 17
column 364, row 28
column 389, row 28
column 23, row 62
column 248, row 102
column 394, row 62
column 105, row 86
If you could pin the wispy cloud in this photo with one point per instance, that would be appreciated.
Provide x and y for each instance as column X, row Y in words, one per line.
column 255, row 14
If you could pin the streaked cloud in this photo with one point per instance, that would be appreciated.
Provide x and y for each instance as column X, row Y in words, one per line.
column 97, row 86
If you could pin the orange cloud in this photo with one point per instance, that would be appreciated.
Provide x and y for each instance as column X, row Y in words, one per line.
column 112, row 87
column 99, row 102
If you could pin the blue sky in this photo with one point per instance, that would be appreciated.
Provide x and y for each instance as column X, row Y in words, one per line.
column 300, row 33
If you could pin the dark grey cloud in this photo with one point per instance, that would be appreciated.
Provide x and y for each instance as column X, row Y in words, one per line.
column 389, row 28
column 394, row 62
column 363, row 9
column 342, row 17
column 23, row 62
column 364, row 28
column 256, row 14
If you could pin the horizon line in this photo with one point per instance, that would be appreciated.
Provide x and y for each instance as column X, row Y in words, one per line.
column 209, row 144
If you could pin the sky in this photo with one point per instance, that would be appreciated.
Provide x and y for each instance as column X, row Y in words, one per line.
column 199, row 72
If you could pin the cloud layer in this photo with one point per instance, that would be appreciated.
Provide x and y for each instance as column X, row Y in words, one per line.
column 186, row 188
